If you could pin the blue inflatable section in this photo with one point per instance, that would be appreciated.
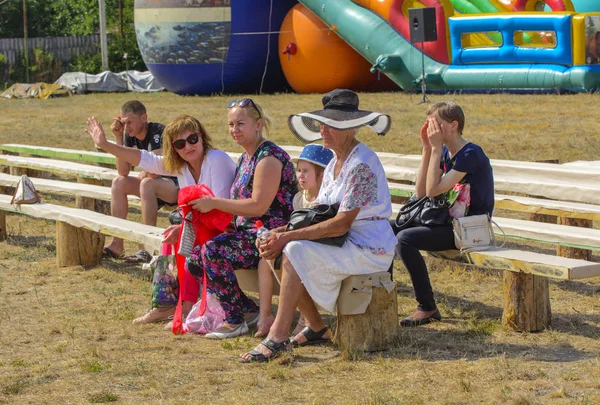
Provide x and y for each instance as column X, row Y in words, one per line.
column 583, row 6
column 213, row 46
column 507, row 52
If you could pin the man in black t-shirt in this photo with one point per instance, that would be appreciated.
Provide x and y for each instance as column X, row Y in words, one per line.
column 132, row 129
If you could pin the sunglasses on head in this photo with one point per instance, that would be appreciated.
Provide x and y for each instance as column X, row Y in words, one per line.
column 180, row 143
column 244, row 102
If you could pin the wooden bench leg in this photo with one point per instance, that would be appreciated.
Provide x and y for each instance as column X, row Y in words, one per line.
column 103, row 207
column 3, row 233
column 19, row 171
column 77, row 246
column 526, row 302
column 375, row 330
column 575, row 253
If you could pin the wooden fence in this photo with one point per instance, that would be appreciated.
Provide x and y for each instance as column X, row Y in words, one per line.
column 64, row 49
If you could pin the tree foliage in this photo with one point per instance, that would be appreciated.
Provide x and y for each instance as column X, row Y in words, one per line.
column 75, row 17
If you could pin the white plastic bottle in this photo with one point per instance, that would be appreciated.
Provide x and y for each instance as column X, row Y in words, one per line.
column 262, row 233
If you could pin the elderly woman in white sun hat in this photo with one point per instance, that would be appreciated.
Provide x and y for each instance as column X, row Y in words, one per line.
column 312, row 272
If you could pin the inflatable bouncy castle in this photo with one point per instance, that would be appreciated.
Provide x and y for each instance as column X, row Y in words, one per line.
column 240, row 46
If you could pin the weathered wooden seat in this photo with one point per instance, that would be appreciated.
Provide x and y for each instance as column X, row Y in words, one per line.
column 79, row 232
column 567, row 195
column 86, row 194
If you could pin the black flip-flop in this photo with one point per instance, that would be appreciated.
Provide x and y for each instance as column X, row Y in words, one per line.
column 140, row 257
column 312, row 337
column 256, row 356
column 107, row 253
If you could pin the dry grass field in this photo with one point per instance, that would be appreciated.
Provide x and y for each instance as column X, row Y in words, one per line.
column 66, row 335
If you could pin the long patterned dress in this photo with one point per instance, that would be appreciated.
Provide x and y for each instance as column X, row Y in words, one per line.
column 220, row 256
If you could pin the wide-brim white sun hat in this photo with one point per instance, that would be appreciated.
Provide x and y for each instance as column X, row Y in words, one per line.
column 340, row 111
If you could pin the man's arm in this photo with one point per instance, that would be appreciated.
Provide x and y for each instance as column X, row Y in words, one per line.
column 118, row 130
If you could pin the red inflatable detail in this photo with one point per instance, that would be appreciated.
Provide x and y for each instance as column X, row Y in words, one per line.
column 555, row 5
column 290, row 49
column 438, row 49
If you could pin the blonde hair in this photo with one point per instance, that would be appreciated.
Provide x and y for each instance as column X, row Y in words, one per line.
column 171, row 159
column 255, row 112
column 449, row 111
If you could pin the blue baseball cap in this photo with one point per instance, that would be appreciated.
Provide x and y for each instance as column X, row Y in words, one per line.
column 316, row 154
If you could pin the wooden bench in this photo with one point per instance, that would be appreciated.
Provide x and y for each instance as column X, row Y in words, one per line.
column 80, row 156
column 83, row 156
column 86, row 194
column 566, row 202
column 79, row 232
column 568, row 193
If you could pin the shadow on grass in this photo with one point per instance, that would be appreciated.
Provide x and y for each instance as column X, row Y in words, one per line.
column 572, row 324
column 577, row 287
column 429, row 344
column 29, row 241
column 130, row 269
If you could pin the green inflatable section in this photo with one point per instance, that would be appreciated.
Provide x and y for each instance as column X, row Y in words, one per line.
column 481, row 7
column 393, row 55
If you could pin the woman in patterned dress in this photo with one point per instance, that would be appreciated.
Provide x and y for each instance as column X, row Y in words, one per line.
column 263, row 189
column 312, row 272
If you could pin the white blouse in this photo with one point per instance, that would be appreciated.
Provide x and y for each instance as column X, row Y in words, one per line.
column 362, row 184
column 217, row 172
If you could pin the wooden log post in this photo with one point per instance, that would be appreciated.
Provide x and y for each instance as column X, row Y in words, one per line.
column 19, row 171
column 77, row 246
column 549, row 219
column 92, row 204
column 374, row 330
column 526, row 302
column 3, row 233
column 574, row 253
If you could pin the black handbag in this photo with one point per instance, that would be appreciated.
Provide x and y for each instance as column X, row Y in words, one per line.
column 175, row 217
column 309, row 216
column 424, row 211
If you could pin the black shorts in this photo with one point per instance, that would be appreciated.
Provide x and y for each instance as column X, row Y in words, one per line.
column 162, row 203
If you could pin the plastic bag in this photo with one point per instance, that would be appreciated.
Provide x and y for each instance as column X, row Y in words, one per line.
column 165, row 285
column 25, row 192
column 209, row 322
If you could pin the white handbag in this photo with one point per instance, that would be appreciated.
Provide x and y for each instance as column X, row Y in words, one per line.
column 475, row 233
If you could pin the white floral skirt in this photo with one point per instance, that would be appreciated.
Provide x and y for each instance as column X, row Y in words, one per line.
column 322, row 268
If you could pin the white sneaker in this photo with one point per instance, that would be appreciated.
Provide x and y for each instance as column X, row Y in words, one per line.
column 239, row 330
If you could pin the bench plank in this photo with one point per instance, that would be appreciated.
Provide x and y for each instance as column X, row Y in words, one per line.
column 525, row 262
column 528, row 205
column 60, row 153
column 61, row 167
column 583, row 238
column 150, row 236
column 66, row 188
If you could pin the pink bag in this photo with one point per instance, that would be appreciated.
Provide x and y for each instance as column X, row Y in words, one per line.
column 209, row 322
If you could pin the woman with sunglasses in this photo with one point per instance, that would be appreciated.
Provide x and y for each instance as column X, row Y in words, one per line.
column 263, row 189
column 189, row 154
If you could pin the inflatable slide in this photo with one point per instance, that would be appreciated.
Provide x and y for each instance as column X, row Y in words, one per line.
column 486, row 64
column 241, row 46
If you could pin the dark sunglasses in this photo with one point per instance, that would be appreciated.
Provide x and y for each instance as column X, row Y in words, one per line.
column 180, row 143
column 244, row 103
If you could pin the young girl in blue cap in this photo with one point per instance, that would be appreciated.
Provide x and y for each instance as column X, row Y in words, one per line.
column 309, row 172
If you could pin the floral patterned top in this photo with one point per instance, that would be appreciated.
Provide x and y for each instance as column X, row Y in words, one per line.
column 362, row 184
column 281, row 208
